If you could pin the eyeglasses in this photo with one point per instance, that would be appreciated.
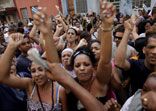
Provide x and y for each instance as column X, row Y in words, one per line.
column 117, row 38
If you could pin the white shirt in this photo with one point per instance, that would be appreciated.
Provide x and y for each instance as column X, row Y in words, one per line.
column 125, row 107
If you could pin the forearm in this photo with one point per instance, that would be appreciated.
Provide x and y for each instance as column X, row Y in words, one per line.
column 51, row 52
column 61, row 75
column 5, row 62
column 64, row 26
column 134, row 33
column 104, row 65
column 57, row 33
column 120, row 57
column 36, row 40
column 106, row 46
column 88, row 100
column 33, row 35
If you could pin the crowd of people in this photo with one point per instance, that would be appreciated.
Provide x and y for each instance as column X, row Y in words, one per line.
column 103, row 62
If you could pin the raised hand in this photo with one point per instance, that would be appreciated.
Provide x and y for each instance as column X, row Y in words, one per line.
column 59, row 18
column 112, row 105
column 59, row 27
column 148, row 101
column 15, row 39
column 57, row 72
column 107, row 13
column 42, row 21
column 82, row 42
column 128, row 24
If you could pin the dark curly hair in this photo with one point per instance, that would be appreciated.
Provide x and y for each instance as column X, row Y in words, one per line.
column 83, row 50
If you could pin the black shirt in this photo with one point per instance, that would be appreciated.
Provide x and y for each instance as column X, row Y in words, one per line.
column 138, row 74
column 73, row 101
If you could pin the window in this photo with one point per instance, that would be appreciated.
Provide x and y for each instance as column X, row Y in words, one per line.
column 24, row 13
column 81, row 6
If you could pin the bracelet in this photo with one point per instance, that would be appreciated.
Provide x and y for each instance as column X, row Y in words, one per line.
column 106, row 30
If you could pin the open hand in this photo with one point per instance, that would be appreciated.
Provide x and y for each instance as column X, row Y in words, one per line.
column 128, row 25
column 15, row 39
column 59, row 27
column 107, row 13
column 148, row 101
column 112, row 105
column 42, row 21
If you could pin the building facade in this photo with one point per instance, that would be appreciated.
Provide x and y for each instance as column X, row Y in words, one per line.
column 24, row 7
column 83, row 6
column 80, row 6
column 8, row 11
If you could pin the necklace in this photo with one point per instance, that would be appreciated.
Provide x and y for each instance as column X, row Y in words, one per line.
column 52, row 97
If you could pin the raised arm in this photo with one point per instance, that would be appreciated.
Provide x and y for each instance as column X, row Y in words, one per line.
column 105, row 34
column 120, row 57
column 61, row 76
column 6, row 61
column 44, row 24
column 32, row 34
column 59, row 18
column 59, row 28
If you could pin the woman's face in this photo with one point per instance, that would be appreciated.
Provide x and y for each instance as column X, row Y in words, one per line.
column 38, row 74
column 65, row 57
column 147, row 26
column 95, row 47
column 83, row 68
column 71, row 36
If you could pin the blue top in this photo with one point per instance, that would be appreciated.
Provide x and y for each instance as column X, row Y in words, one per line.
column 23, row 64
column 12, row 99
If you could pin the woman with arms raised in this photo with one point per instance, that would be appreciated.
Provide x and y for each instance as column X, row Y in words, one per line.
column 96, row 82
column 41, row 92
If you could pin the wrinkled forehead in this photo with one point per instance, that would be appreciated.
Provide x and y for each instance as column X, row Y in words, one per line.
column 151, row 41
column 67, row 52
column 71, row 30
column 150, row 83
column 33, row 64
column 81, row 58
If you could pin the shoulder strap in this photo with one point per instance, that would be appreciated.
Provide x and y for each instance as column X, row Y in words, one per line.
column 57, row 92
column 32, row 93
